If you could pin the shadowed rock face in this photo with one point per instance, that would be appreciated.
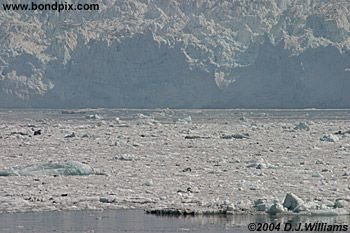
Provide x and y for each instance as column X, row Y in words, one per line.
column 178, row 54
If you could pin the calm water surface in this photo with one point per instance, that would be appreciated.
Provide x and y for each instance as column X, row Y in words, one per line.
column 136, row 221
column 115, row 221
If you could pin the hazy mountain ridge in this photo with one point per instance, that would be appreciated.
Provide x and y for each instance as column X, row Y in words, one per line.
column 144, row 53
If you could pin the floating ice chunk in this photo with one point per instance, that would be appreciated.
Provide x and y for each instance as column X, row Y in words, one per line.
column 328, row 204
column 187, row 169
column 310, row 205
column 117, row 120
column 317, row 174
column 243, row 205
column 236, row 136
column 125, row 157
column 71, row 135
column 120, row 123
column 276, row 208
column 20, row 133
column 257, row 165
column 70, row 168
column 143, row 116
column 340, row 203
column 6, row 173
column 186, row 120
column 260, row 205
column 107, row 199
column 319, row 161
column 37, row 132
column 94, row 116
column 292, row 201
column 230, row 208
column 329, row 212
column 343, row 134
column 148, row 183
column 242, row 118
column 196, row 137
column 346, row 173
column 329, row 138
column 73, row 112
column 302, row 126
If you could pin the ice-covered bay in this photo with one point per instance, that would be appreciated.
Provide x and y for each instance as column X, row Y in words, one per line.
column 178, row 160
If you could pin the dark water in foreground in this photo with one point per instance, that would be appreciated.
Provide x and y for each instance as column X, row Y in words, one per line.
column 109, row 221
column 136, row 221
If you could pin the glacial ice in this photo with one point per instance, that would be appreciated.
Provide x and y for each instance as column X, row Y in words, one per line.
column 329, row 138
column 302, row 126
column 69, row 168
column 185, row 120
column 179, row 54
column 292, row 201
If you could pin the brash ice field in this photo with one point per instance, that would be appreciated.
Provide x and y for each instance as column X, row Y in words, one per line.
column 176, row 161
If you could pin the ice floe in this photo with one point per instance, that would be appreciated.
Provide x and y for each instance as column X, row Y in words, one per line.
column 329, row 138
column 70, row 168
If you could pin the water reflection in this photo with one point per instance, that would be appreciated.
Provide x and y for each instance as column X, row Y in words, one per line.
column 244, row 220
column 138, row 222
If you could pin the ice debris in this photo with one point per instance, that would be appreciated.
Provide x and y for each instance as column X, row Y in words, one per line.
column 292, row 205
column 94, row 116
column 302, row 126
column 316, row 174
column 292, row 202
column 107, row 199
column 260, row 205
column 37, row 132
column 186, row 120
column 148, row 183
column 143, row 116
column 340, row 203
column 343, row 133
column 125, row 157
column 329, row 138
column 196, row 137
column 276, row 208
column 236, row 136
column 71, row 135
column 69, row 168
column 259, row 164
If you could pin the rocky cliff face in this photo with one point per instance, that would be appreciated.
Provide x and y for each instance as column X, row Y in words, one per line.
column 178, row 53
